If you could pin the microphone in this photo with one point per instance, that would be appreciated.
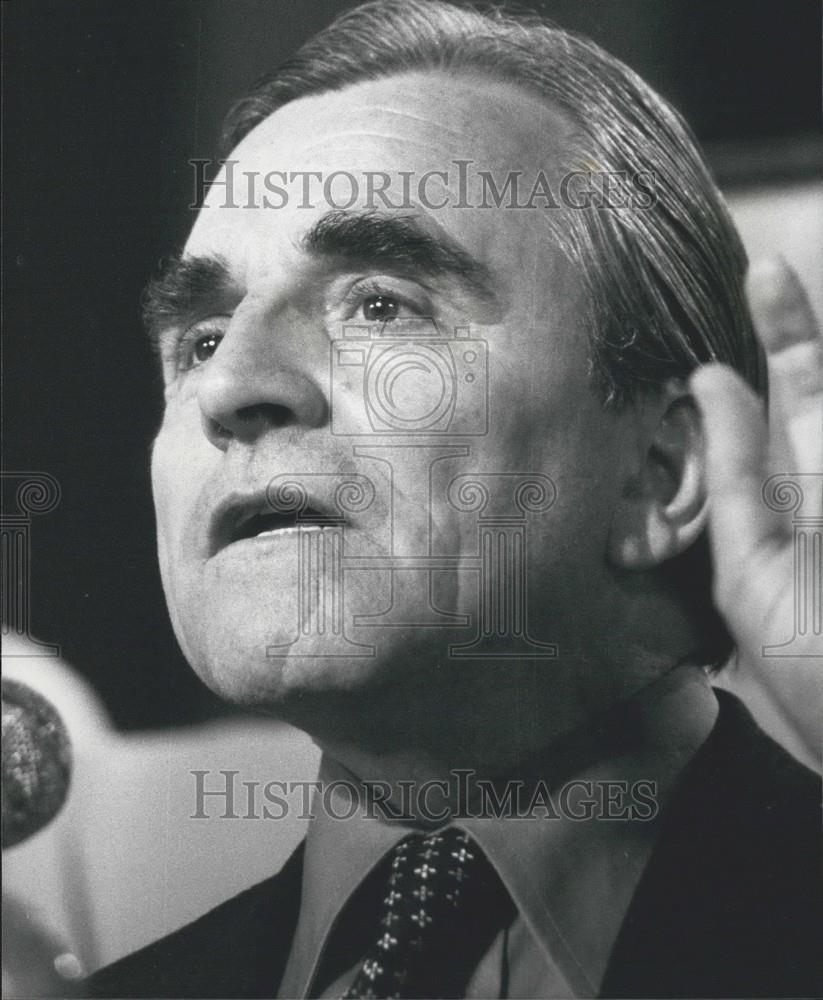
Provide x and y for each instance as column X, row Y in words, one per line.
column 36, row 762
column 36, row 769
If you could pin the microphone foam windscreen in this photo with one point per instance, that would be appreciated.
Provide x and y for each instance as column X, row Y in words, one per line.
column 36, row 762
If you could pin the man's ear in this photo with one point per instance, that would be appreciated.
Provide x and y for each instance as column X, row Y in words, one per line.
column 662, row 509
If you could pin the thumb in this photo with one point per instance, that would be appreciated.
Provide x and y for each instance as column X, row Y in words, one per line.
column 736, row 437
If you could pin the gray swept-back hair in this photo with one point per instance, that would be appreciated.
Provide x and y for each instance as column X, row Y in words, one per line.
column 664, row 285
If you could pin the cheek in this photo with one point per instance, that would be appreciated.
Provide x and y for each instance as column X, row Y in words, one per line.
column 558, row 429
column 180, row 463
column 162, row 467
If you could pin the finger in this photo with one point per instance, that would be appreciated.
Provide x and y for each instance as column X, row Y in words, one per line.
column 736, row 455
column 790, row 335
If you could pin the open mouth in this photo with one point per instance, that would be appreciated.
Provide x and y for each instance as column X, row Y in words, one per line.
column 240, row 519
column 267, row 523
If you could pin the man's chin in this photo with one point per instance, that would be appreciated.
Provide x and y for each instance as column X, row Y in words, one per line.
column 272, row 674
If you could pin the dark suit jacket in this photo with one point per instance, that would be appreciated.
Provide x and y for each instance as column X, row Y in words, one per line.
column 730, row 904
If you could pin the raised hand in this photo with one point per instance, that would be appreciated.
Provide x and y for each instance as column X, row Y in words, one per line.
column 758, row 576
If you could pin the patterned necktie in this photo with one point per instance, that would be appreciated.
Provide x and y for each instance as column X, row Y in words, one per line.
column 443, row 906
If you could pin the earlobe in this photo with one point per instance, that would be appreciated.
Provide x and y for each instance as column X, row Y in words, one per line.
column 662, row 510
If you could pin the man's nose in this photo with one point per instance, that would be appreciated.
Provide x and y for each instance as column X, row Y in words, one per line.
column 251, row 386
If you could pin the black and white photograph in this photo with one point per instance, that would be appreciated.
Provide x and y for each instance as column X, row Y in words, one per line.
column 412, row 499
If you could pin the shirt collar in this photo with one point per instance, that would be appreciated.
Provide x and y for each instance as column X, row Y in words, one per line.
column 340, row 853
column 571, row 879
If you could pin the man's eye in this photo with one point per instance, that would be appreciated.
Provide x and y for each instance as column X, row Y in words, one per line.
column 197, row 347
column 205, row 346
column 380, row 308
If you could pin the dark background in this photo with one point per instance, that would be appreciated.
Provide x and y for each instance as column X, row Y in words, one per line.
column 104, row 104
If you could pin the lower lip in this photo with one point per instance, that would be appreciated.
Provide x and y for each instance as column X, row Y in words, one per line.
column 266, row 538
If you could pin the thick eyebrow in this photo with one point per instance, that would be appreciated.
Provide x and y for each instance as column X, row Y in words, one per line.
column 187, row 287
column 396, row 243
column 190, row 286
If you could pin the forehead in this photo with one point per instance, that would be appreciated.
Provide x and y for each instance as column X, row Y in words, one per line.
column 402, row 125
column 432, row 113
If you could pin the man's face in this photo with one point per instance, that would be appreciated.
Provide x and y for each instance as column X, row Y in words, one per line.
column 384, row 361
